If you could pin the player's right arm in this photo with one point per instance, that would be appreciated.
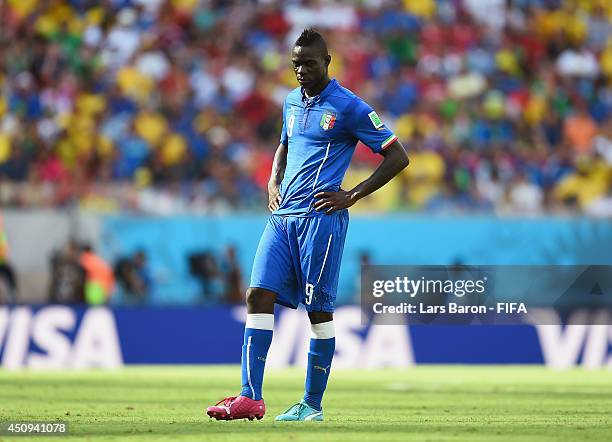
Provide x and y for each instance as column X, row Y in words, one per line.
column 276, row 177
column 278, row 167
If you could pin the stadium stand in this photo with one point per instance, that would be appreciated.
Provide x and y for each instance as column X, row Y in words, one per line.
column 174, row 107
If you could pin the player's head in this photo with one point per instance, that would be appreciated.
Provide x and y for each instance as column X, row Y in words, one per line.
column 310, row 59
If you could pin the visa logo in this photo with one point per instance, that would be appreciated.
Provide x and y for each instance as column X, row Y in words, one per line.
column 585, row 341
column 50, row 338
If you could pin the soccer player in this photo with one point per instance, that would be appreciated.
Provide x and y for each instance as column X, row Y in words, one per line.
column 298, row 258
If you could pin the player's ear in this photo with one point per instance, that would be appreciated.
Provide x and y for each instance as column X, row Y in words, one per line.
column 327, row 60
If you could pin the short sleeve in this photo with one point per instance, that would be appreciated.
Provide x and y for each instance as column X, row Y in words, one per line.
column 283, row 138
column 369, row 128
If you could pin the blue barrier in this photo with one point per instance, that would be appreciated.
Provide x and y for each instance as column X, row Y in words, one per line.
column 389, row 239
column 65, row 337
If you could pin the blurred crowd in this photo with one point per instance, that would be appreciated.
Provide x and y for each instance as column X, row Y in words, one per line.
column 174, row 106
column 80, row 276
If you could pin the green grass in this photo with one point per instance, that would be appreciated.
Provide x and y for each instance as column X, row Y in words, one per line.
column 421, row 404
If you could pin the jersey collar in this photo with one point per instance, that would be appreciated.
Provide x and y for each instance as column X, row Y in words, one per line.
column 317, row 98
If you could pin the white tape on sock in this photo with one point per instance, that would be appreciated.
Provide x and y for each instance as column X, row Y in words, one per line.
column 324, row 330
column 260, row 321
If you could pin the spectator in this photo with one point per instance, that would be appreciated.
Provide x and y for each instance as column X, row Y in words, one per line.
column 8, row 281
column 234, row 292
column 580, row 129
column 364, row 260
column 99, row 278
column 204, row 267
column 601, row 207
column 134, row 278
column 68, row 277
column 525, row 197
column 588, row 183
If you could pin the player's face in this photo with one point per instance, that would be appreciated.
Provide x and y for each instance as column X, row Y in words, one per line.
column 310, row 66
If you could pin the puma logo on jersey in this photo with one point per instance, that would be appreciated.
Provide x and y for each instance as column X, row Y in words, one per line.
column 323, row 369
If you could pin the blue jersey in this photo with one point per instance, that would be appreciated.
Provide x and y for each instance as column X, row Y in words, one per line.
column 321, row 134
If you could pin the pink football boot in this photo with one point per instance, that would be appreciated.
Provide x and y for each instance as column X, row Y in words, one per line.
column 237, row 407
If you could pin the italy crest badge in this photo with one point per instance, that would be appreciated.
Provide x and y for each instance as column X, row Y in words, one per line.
column 327, row 120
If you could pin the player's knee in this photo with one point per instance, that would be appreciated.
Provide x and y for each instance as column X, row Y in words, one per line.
column 260, row 300
column 320, row 317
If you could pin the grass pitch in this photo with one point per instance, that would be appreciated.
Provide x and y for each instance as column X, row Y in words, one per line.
column 424, row 403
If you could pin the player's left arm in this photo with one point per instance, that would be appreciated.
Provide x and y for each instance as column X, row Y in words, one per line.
column 395, row 160
column 367, row 127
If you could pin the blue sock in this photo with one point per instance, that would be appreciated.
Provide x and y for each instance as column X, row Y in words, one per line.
column 257, row 340
column 319, row 364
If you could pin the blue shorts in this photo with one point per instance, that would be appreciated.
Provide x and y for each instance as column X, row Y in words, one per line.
column 298, row 258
